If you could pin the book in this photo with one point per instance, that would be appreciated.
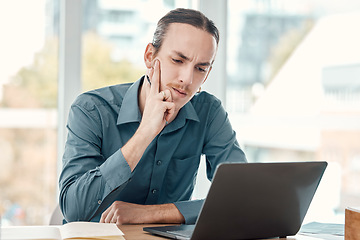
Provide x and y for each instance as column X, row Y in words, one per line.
column 73, row 230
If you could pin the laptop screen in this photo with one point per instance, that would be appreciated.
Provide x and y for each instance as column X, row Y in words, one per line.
column 257, row 200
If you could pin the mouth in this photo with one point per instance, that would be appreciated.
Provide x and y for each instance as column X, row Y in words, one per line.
column 180, row 92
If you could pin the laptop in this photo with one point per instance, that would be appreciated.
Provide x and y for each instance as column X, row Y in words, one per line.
column 252, row 201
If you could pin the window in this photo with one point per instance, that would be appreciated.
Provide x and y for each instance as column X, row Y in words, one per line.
column 293, row 90
column 28, row 111
column 113, row 46
column 28, row 89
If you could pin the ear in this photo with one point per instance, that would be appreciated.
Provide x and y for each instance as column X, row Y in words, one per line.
column 149, row 55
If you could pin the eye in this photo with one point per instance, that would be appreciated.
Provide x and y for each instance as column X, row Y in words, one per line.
column 176, row 60
column 201, row 69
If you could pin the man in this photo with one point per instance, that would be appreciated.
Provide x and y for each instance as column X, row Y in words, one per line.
column 133, row 150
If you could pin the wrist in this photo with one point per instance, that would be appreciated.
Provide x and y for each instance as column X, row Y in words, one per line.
column 134, row 149
column 164, row 213
column 148, row 130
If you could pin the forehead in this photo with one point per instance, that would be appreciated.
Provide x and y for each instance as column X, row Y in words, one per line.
column 191, row 41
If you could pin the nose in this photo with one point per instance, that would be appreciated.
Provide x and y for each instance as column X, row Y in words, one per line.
column 187, row 75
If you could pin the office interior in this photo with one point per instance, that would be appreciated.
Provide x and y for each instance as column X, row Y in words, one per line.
column 287, row 72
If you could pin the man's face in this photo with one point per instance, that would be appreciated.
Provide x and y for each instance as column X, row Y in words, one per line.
column 186, row 57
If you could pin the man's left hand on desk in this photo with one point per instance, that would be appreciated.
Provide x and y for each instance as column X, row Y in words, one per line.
column 129, row 213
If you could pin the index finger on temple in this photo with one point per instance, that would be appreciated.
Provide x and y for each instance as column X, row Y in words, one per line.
column 155, row 80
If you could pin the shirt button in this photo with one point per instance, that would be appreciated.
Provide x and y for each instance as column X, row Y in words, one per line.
column 159, row 162
column 99, row 202
column 154, row 191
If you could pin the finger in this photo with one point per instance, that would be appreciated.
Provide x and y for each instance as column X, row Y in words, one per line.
column 167, row 95
column 149, row 73
column 104, row 215
column 114, row 218
column 169, row 115
column 169, row 111
column 155, row 79
column 162, row 95
column 108, row 214
column 109, row 217
column 118, row 222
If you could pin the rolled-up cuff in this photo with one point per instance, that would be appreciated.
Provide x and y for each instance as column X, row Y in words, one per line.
column 190, row 210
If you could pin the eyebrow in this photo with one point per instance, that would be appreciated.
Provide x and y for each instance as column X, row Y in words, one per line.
column 187, row 59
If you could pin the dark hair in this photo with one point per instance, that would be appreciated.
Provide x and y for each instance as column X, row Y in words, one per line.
column 187, row 16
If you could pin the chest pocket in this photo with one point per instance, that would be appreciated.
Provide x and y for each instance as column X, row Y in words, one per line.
column 180, row 178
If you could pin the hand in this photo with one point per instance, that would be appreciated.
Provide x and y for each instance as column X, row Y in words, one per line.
column 129, row 213
column 157, row 111
column 159, row 108
column 123, row 212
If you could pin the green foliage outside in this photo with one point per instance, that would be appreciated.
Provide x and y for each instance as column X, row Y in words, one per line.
column 28, row 180
column 39, row 80
column 100, row 70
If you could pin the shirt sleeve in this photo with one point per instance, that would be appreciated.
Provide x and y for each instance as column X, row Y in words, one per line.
column 220, row 146
column 87, row 179
column 190, row 210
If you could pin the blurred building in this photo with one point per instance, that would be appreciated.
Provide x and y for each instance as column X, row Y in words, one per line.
column 260, row 34
column 127, row 24
column 311, row 109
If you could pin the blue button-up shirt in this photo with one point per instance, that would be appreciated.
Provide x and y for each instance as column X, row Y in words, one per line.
column 95, row 173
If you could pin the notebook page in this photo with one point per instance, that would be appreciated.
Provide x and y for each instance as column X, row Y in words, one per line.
column 89, row 230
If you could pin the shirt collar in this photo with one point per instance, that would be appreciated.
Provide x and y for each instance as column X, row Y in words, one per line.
column 130, row 112
column 187, row 112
